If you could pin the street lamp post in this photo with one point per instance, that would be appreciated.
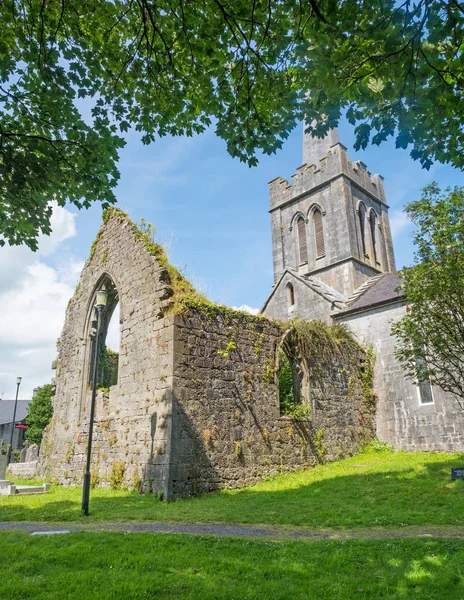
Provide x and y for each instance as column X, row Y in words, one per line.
column 99, row 305
column 18, row 383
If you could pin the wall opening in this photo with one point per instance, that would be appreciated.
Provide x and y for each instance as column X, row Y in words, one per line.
column 110, row 352
column 109, row 342
column 292, row 381
column 289, row 384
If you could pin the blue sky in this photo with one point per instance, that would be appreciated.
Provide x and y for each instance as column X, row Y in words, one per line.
column 211, row 211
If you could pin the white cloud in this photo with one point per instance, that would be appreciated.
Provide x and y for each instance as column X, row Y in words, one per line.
column 33, row 300
column 399, row 221
column 246, row 308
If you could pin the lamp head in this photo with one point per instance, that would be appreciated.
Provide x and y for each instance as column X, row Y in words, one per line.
column 102, row 296
column 18, row 380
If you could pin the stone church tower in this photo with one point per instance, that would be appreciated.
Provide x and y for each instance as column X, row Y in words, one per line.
column 334, row 261
column 330, row 229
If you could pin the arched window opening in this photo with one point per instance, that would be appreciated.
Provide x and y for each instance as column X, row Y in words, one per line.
column 108, row 357
column 292, row 381
column 362, row 226
column 373, row 222
column 302, row 244
column 289, row 384
column 318, row 233
column 291, row 296
column 110, row 353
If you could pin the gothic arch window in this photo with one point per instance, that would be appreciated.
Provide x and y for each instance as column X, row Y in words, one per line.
column 318, row 233
column 362, row 226
column 373, row 224
column 302, row 242
column 108, row 349
column 109, row 341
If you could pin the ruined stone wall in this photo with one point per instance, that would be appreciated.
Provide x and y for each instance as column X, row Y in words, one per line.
column 126, row 439
column 227, row 430
column 195, row 407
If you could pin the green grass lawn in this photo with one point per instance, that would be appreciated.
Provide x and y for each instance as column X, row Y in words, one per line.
column 134, row 566
column 371, row 489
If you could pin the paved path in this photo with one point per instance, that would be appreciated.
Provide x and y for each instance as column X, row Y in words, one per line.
column 256, row 531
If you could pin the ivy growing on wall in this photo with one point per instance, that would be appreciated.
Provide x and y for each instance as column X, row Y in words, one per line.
column 308, row 351
column 109, row 360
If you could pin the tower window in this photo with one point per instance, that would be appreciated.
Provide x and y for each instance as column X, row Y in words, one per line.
column 372, row 221
column 302, row 245
column 318, row 233
column 362, row 226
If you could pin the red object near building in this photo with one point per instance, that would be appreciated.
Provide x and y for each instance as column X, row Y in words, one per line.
column 21, row 426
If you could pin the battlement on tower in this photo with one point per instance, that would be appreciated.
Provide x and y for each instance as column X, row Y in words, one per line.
column 335, row 164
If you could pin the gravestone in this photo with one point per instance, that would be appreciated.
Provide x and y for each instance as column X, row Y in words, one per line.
column 3, row 460
column 27, row 468
column 32, row 453
column 23, row 454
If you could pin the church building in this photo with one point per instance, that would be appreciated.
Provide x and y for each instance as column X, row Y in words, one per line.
column 334, row 261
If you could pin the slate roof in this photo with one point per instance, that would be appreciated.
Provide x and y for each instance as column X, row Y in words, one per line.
column 324, row 290
column 376, row 291
column 7, row 410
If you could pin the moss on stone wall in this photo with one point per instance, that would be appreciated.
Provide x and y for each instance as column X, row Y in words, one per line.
column 316, row 339
column 183, row 295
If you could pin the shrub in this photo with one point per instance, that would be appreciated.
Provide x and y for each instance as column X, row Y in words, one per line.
column 40, row 413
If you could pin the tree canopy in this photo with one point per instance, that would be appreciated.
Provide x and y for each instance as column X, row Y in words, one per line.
column 75, row 76
column 431, row 334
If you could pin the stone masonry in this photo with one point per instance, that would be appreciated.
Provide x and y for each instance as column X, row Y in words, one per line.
column 195, row 407
column 402, row 421
column 336, row 186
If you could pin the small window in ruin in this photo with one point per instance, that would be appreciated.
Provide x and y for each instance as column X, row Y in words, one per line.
column 290, row 380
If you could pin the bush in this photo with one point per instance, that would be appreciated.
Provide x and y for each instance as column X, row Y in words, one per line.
column 40, row 413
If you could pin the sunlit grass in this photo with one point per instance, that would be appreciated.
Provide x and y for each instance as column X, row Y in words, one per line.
column 107, row 566
column 370, row 489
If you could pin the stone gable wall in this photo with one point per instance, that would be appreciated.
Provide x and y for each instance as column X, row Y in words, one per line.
column 309, row 305
column 123, row 440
